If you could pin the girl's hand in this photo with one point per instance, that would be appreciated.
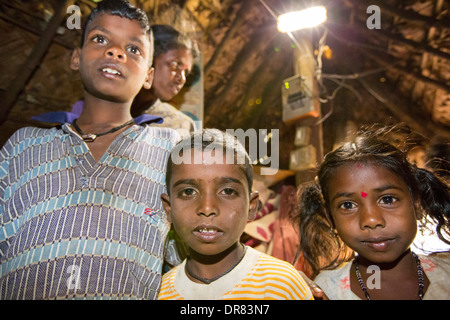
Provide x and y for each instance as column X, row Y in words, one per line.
column 316, row 291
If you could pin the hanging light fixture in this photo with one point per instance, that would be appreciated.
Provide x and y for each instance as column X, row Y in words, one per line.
column 302, row 19
column 296, row 20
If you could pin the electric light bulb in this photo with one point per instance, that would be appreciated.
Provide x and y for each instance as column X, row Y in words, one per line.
column 302, row 19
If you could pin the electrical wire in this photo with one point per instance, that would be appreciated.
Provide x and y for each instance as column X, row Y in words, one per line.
column 323, row 96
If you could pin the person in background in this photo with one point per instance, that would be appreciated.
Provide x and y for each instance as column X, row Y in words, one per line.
column 174, row 58
column 369, row 198
column 80, row 209
column 209, row 201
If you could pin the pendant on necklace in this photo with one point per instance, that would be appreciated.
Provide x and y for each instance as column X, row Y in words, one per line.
column 89, row 137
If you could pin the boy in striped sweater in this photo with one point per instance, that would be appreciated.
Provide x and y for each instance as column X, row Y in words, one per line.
column 80, row 209
column 209, row 201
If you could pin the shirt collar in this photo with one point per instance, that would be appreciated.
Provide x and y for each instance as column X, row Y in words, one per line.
column 63, row 117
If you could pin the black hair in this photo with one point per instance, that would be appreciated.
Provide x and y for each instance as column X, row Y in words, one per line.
column 439, row 156
column 213, row 139
column 120, row 8
column 429, row 193
column 168, row 38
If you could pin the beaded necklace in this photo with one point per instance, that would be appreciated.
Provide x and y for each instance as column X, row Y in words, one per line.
column 419, row 274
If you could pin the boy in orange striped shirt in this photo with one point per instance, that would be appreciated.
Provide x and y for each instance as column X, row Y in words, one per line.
column 209, row 201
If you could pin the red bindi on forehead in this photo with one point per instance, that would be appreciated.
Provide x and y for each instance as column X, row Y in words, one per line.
column 359, row 165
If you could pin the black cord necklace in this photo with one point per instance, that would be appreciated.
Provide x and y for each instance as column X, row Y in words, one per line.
column 90, row 137
column 419, row 274
column 209, row 280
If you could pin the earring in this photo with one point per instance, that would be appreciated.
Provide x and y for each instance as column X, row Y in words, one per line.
column 147, row 85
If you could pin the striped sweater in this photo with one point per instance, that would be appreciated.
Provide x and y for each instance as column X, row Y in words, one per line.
column 258, row 276
column 74, row 228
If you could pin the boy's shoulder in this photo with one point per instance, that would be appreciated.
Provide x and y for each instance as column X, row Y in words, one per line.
column 37, row 131
column 275, row 279
column 158, row 133
column 267, row 259
column 273, row 265
column 31, row 133
column 170, row 274
column 167, row 289
column 35, row 135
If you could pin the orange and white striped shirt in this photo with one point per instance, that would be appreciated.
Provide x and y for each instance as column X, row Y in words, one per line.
column 258, row 276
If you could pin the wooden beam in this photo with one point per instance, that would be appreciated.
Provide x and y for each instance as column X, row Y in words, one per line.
column 232, row 30
column 411, row 43
column 389, row 62
column 256, row 44
column 247, row 116
column 271, row 93
column 24, row 73
column 404, row 109
column 405, row 14
column 362, row 30
column 35, row 31
column 344, row 34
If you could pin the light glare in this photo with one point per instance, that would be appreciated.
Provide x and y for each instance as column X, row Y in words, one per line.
column 302, row 19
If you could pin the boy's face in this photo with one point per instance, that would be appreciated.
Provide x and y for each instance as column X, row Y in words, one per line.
column 171, row 70
column 114, row 60
column 209, row 205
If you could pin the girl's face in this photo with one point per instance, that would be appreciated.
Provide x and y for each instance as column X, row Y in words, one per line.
column 209, row 204
column 373, row 211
